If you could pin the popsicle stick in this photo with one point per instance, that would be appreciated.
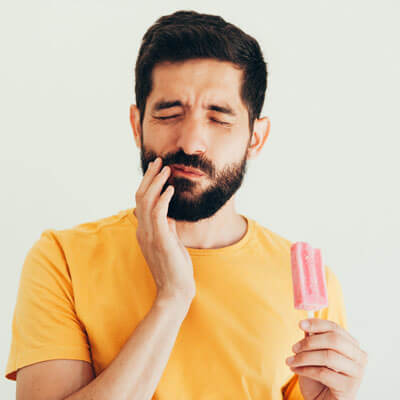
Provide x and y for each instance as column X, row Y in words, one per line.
column 310, row 314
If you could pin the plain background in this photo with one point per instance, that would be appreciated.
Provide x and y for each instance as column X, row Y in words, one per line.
column 328, row 173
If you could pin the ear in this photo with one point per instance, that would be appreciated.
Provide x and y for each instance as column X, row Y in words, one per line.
column 260, row 133
column 134, row 116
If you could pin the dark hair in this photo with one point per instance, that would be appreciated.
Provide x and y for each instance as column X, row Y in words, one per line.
column 186, row 35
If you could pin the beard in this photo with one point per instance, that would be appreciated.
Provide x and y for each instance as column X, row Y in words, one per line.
column 189, row 201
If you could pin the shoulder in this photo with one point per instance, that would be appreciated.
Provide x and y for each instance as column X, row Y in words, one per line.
column 69, row 248
column 272, row 238
column 88, row 231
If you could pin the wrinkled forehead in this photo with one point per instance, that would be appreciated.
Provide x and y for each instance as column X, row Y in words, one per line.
column 199, row 82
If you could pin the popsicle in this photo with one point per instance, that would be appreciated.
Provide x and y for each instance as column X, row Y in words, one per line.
column 308, row 277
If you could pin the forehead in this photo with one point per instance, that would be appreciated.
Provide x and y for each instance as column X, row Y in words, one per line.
column 197, row 81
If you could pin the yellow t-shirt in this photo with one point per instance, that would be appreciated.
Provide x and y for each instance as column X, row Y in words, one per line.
column 84, row 290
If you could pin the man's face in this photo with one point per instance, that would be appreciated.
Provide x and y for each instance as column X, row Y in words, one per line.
column 193, row 137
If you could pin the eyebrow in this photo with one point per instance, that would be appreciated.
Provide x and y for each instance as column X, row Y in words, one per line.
column 163, row 104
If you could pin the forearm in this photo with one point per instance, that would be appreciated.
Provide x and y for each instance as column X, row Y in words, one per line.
column 136, row 370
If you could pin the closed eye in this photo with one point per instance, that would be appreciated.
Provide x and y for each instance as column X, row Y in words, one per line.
column 212, row 119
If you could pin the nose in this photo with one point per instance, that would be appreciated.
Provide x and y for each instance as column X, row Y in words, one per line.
column 192, row 135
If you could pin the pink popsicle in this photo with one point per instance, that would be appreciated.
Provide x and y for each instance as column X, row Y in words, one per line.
column 308, row 277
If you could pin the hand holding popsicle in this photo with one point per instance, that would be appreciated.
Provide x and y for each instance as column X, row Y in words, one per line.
column 330, row 363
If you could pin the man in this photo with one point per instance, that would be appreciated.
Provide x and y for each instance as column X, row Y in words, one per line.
column 180, row 297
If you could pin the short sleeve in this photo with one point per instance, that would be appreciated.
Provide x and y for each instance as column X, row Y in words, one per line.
column 334, row 312
column 45, row 325
column 291, row 391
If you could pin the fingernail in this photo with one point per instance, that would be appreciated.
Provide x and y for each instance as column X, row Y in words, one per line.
column 296, row 347
column 305, row 324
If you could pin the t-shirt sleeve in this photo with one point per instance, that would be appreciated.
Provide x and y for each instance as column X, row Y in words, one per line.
column 45, row 325
column 334, row 312
column 291, row 391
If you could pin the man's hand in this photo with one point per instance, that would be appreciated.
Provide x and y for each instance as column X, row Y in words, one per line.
column 168, row 259
column 330, row 363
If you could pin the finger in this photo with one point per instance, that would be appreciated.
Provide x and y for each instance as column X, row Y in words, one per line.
column 161, row 211
column 318, row 325
column 334, row 341
column 332, row 379
column 148, row 176
column 327, row 358
column 151, row 199
column 147, row 199
column 141, row 191
column 154, row 190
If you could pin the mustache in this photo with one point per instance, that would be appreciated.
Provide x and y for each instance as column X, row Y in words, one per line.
column 189, row 162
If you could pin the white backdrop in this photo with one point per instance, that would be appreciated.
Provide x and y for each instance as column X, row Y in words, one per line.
column 328, row 173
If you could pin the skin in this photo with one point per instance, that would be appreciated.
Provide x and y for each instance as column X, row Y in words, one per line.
column 204, row 209
column 329, row 362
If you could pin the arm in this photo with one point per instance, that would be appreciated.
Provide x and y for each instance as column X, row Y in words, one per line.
column 137, row 369
column 133, row 374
